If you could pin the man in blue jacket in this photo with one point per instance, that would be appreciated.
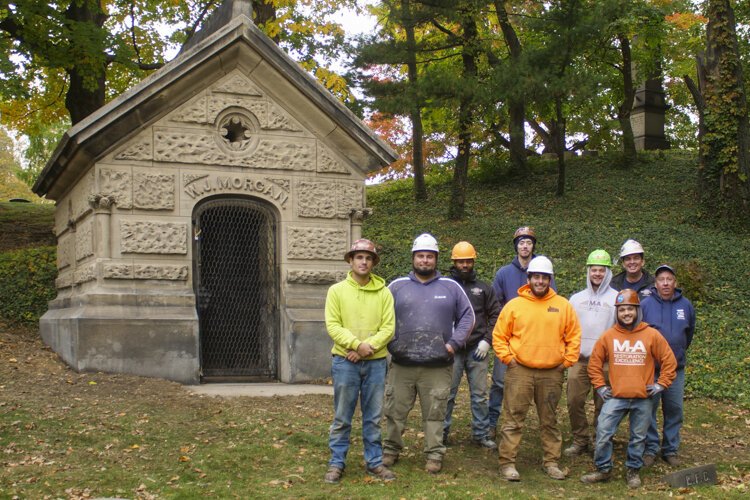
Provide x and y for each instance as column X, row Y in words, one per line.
column 674, row 316
column 433, row 320
column 508, row 280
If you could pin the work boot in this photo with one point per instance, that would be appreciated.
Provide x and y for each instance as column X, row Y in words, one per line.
column 381, row 472
column 649, row 460
column 575, row 450
column 555, row 472
column 433, row 466
column 672, row 460
column 599, row 476
column 485, row 443
column 509, row 473
column 389, row 459
column 633, row 478
column 333, row 475
column 446, row 435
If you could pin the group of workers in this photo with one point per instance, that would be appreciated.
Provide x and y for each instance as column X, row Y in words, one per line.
column 623, row 338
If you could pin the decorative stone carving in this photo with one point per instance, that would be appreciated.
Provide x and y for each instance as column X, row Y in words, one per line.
column 140, row 149
column 190, row 178
column 153, row 237
column 284, row 184
column 221, row 102
column 84, row 240
column 358, row 215
column 79, row 197
column 154, row 191
column 316, row 243
column 192, row 112
column 194, row 148
column 278, row 119
column 84, row 274
column 272, row 189
column 238, row 84
column 101, row 202
column 64, row 280
column 119, row 184
column 237, row 133
column 118, row 271
column 160, row 272
column 315, row 277
column 65, row 250
column 327, row 200
column 327, row 162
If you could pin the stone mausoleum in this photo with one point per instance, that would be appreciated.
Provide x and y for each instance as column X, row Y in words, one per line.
column 202, row 215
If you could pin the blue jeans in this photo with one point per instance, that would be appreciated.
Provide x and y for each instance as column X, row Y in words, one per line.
column 496, row 391
column 613, row 411
column 365, row 381
column 476, row 374
column 671, row 403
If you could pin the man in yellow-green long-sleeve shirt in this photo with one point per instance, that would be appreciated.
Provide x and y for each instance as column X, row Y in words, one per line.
column 360, row 319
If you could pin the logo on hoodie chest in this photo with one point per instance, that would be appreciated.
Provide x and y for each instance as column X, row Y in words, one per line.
column 626, row 353
column 680, row 313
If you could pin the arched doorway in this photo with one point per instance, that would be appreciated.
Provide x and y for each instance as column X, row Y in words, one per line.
column 235, row 278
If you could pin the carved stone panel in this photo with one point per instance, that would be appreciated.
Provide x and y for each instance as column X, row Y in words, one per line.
column 278, row 119
column 316, row 243
column 193, row 111
column 160, row 272
column 84, row 274
column 79, row 197
column 153, row 237
column 154, row 191
column 180, row 146
column 327, row 162
column 237, row 84
column 219, row 102
column 314, row 277
column 117, row 183
column 85, row 240
column 118, row 271
column 327, row 200
column 65, row 251
column 139, row 149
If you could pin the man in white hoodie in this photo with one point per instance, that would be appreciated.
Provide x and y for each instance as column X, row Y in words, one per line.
column 596, row 312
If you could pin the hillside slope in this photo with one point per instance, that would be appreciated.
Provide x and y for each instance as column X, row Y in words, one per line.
column 655, row 203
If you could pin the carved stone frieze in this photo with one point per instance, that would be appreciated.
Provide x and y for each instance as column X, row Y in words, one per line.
column 316, row 243
column 85, row 240
column 327, row 200
column 118, row 271
column 160, row 272
column 101, row 203
column 315, row 277
column 65, row 251
column 154, row 191
column 327, row 162
column 84, row 274
column 220, row 102
column 139, row 149
column 278, row 119
column 237, row 84
column 193, row 111
column 153, row 237
column 179, row 146
column 272, row 189
column 117, row 182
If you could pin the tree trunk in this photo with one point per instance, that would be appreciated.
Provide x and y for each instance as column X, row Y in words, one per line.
column 415, row 113
column 86, row 79
column 626, row 106
column 263, row 12
column 516, row 105
column 560, row 141
column 457, row 205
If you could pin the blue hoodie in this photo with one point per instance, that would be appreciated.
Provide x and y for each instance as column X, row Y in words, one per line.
column 675, row 320
column 510, row 278
column 428, row 316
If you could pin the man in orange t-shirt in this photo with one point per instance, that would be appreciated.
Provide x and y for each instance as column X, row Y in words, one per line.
column 631, row 349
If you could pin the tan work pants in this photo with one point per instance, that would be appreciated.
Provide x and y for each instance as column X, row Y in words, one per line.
column 403, row 384
column 522, row 387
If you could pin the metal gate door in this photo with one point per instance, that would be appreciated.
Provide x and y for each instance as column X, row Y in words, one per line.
column 236, row 287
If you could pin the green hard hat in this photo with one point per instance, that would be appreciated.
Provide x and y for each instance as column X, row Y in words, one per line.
column 599, row 257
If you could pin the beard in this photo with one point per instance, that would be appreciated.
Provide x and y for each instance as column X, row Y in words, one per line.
column 424, row 272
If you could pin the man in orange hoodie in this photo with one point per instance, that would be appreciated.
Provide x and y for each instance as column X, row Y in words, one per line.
column 630, row 348
column 538, row 336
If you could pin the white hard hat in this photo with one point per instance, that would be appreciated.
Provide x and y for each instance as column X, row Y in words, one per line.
column 540, row 264
column 630, row 247
column 425, row 242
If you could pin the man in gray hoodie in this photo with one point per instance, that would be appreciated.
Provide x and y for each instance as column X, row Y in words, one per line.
column 595, row 307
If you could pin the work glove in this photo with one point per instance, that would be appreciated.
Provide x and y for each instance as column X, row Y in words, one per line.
column 654, row 389
column 481, row 351
column 604, row 392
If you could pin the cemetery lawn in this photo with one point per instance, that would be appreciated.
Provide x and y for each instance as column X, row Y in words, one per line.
column 70, row 435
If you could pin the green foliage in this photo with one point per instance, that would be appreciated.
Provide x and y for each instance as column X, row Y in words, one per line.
column 27, row 283
column 656, row 202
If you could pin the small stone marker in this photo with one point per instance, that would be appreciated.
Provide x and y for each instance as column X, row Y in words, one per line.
column 705, row 474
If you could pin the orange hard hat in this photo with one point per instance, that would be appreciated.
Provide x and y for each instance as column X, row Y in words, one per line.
column 627, row 297
column 363, row 245
column 463, row 250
